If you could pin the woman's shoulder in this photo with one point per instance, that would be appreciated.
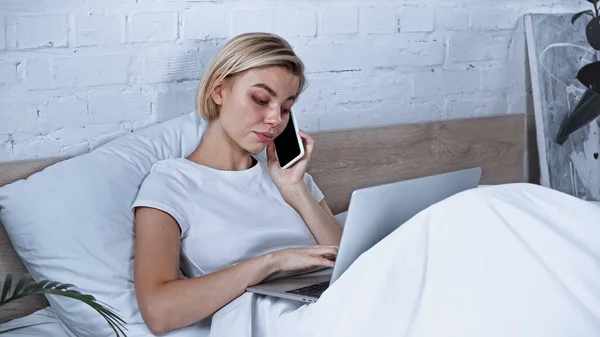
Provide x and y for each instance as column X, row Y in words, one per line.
column 166, row 164
column 173, row 169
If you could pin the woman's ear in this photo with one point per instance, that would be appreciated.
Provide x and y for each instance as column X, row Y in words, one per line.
column 217, row 94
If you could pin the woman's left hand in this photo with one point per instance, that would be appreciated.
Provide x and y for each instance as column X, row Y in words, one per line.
column 289, row 179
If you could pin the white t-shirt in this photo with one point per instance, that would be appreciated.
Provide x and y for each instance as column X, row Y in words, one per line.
column 225, row 217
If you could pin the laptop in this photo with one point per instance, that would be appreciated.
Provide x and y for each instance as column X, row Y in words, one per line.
column 373, row 213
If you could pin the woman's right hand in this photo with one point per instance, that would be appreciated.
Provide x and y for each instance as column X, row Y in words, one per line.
column 292, row 259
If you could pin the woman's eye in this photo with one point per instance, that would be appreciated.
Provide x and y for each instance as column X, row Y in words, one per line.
column 260, row 101
column 285, row 111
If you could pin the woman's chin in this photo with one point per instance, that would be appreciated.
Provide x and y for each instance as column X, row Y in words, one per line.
column 255, row 148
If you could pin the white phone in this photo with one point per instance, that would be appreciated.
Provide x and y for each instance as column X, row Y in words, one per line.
column 288, row 145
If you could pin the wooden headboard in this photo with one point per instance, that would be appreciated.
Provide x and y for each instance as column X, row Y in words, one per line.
column 346, row 160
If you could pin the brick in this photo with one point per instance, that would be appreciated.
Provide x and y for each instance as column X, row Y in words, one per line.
column 506, row 77
column 204, row 25
column 519, row 103
column 340, row 21
column 118, row 107
column 393, row 53
column 63, row 142
column 445, row 82
column 496, row 19
column 292, row 23
column 451, row 19
column 340, row 57
column 94, row 70
column 15, row 117
column 171, row 104
column 377, row 20
column 465, row 108
column 98, row 29
column 516, row 50
column 8, row 73
column 252, row 21
column 39, row 74
column 175, row 65
column 5, row 148
column 358, row 115
column 308, row 121
column 318, row 90
column 153, row 27
column 478, row 48
column 416, row 19
column 377, row 88
column 59, row 112
column 2, row 34
column 37, row 31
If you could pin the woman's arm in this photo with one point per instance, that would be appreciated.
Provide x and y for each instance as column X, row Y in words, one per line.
column 168, row 303
column 317, row 216
column 165, row 301
column 290, row 182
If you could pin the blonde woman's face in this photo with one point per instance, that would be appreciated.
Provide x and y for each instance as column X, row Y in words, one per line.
column 255, row 106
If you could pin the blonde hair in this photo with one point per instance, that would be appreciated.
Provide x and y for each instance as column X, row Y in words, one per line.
column 244, row 52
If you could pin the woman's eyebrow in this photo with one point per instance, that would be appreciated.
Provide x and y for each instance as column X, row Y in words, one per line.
column 271, row 91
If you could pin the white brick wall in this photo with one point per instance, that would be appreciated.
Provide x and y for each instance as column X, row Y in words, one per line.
column 97, row 29
column 74, row 74
column 39, row 31
column 340, row 21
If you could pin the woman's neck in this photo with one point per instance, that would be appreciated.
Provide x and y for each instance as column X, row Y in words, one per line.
column 217, row 150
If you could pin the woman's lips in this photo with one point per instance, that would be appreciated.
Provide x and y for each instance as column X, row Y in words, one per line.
column 264, row 137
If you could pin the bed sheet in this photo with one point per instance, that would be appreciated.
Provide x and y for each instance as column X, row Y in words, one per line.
column 516, row 260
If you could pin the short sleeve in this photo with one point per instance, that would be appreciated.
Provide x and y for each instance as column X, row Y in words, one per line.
column 163, row 189
column 312, row 186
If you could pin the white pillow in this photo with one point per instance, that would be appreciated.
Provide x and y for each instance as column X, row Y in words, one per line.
column 72, row 222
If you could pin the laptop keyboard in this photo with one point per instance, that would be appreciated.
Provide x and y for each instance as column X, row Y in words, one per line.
column 314, row 290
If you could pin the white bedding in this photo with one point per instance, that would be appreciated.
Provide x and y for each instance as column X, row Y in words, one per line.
column 511, row 260
column 40, row 323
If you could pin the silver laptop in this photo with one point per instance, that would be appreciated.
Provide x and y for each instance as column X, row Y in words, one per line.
column 374, row 213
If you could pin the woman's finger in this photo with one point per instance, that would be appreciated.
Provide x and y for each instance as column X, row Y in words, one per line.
column 309, row 143
column 327, row 250
column 324, row 262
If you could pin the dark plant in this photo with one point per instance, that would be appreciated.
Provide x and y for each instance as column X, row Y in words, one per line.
column 27, row 286
column 588, row 107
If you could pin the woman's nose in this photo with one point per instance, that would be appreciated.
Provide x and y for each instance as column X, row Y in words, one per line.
column 274, row 116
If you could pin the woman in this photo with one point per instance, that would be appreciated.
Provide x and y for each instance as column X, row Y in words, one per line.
column 236, row 218
column 229, row 219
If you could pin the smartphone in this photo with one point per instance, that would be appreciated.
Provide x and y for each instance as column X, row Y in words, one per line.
column 288, row 145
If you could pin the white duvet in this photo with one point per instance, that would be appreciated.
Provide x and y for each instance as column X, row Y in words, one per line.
column 510, row 260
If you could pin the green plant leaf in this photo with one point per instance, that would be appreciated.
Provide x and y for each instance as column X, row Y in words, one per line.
column 27, row 286
column 592, row 32
column 578, row 15
column 589, row 75
column 6, row 288
column 587, row 109
column 23, row 281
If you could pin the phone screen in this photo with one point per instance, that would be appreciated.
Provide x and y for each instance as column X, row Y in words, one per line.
column 286, row 144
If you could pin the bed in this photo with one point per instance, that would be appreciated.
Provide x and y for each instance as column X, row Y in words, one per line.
column 345, row 160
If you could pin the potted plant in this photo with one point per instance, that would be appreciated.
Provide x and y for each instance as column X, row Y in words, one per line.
column 588, row 107
column 27, row 286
